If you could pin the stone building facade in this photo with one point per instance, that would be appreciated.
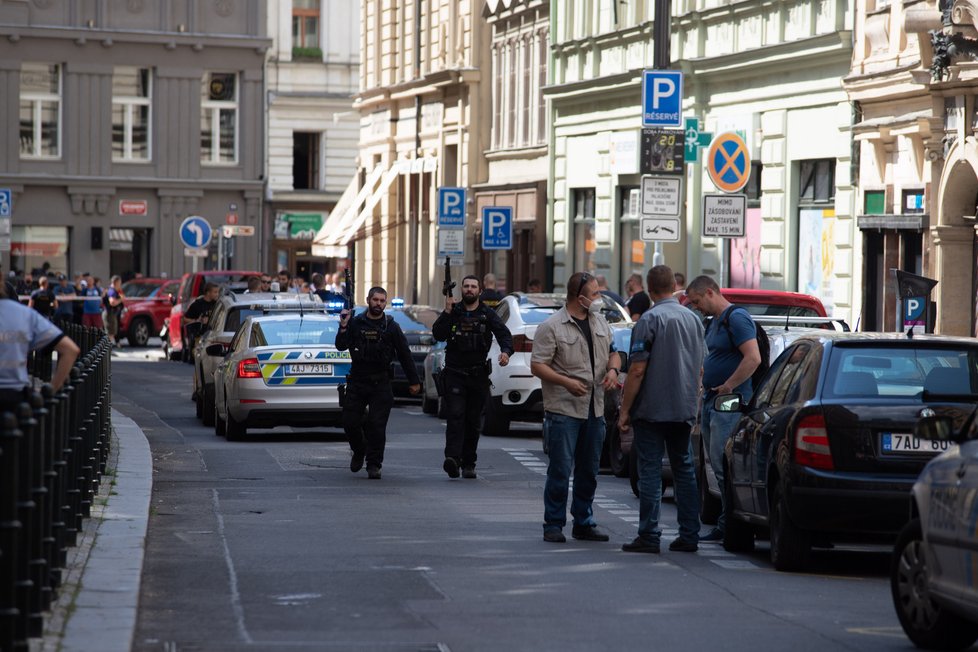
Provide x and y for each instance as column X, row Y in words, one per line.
column 120, row 119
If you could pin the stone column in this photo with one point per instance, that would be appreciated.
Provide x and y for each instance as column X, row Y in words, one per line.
column 953, row 252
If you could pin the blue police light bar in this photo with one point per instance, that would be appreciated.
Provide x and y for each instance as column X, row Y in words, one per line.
column 335, row 306
column 397, row 302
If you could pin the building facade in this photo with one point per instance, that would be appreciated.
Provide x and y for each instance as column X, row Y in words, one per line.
column 312, row 74
column 771, row 73
column 119, row 120
column 916, row 99
column 423, row 104
column 517, row 152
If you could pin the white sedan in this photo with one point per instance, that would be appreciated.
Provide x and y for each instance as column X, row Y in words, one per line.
column 934, row 571
column 280, row 370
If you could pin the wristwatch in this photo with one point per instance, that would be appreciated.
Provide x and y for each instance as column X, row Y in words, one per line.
column 616, row 370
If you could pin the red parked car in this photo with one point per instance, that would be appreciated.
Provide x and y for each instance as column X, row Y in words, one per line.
column 191, row 287
column 148, row 303
column 773, row 302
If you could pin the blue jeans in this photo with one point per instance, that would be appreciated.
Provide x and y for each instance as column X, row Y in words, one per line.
column 572, row 444
column 652, row 439
column 716, row 428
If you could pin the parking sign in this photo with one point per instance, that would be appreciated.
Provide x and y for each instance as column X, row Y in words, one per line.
column 497, row 227
column 5, row 202
column 451, row 207
column 662, row 98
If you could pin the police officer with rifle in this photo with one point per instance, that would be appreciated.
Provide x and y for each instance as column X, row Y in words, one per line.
column 468, row 328
column 373, row 339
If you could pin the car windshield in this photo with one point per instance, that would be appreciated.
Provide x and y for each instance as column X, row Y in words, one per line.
column 134, row 290
column 295, row 332
column 536, row 310
column 780, row 311
column 414, row 318
column 901, row 372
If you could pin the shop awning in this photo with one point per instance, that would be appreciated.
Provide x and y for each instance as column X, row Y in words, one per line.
column 325, row 243
column 348, row 233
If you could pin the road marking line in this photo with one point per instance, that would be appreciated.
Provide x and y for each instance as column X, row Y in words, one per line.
column 735, row 564
column 236, row 605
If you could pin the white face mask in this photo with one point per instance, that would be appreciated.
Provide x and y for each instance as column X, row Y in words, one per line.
column 596, row 306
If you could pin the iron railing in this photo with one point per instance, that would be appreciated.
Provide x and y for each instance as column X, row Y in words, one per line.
column 53, row 452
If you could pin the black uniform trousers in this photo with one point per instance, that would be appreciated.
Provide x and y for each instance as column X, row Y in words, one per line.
column 366, row 409
column 466, row 391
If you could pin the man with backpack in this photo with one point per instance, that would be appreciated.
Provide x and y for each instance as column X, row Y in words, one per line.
column 733, row 357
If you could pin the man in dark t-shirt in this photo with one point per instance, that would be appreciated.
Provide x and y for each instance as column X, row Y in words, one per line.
column 638, row 299
column 42, row 299
column 195, row 318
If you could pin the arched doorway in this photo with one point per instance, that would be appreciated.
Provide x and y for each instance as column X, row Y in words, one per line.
column 953, row 239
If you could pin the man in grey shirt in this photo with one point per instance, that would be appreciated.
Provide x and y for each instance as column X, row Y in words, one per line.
column 659, row 402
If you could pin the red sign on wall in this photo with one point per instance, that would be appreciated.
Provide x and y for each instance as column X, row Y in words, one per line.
column 133, row 207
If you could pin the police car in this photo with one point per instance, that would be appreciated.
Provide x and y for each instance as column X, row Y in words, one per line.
column 934, row 569
column 279, row 370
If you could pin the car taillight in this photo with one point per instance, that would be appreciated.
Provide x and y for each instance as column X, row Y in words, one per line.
column 249, row 368
column 812, row 443
column 522, row 344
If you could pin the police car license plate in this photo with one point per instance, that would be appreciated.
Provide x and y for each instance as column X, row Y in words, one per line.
column 420, row 348
column 313, row 369
column 893, row 442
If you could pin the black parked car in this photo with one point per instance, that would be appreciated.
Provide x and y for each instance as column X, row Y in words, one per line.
column 416, row 322
column 825, row 451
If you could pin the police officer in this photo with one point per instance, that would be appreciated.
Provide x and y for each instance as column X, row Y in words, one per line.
column 468, row 328
column 373, row 339
column 23, row 330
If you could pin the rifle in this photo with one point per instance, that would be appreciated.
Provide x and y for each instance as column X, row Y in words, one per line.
column 448, row 285
column 348, row 302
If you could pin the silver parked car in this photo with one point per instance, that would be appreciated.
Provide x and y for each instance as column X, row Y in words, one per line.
column 280, row 370
column 227, row 315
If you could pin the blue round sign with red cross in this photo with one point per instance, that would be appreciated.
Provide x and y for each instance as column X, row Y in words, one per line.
column 728, row 162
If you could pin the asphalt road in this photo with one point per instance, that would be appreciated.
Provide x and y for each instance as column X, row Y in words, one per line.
column 272, row 544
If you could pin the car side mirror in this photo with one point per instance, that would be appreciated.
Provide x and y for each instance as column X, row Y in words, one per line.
column 938, row 428
column 217, row 350
column 728, row 403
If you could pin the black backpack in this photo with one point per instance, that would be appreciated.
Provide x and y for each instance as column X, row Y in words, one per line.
column 763, row 346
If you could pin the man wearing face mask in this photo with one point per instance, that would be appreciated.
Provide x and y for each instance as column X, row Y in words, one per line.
column 575, row 359
column 468, row 328
column 373, row 339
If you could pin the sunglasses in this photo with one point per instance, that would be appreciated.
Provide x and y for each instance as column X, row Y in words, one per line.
column 584, row 280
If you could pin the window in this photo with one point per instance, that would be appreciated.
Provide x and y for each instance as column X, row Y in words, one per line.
column 131, row 96
column 753, row 188
column 816, row 181
column 32, row 246
column 584, row 236
column 542, row 58
column 874, row 202
column 305, row 161
column 305, row 25
column 219, row 118
column 913, row 201
column 40, row 110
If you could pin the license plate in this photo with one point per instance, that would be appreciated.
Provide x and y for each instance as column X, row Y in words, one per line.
column 892, row 442
column 420, row 348
column 314, row 369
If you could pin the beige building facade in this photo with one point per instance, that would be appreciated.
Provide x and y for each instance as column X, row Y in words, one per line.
column 312, row 74
column 423, row 104
column 918, row 155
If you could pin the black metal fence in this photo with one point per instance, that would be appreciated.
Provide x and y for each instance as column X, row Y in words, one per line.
column 53, row 452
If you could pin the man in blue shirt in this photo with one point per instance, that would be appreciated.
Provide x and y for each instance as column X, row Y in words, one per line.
column 64, row 292
column 23, row 330
column 91, row 308
column 733, row 356
column 659, row 402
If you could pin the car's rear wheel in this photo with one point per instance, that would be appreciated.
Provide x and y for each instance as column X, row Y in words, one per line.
column 205, row 395
column 497, row 421
column 738, row 536
column 220, row 426
column 710, row 505
column 234, row 431
column 618, row 461
column 429, row 406
column 139, row 331
column 791, row 547
column 926, row 622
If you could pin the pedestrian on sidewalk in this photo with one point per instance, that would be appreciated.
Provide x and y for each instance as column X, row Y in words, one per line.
column 575, row 359
column 468, row 327
column 638, row 299
column 114, row 305
column 490, row 295
column 43, row 299
column 373, row 339
column 606, row 291
column 731, row 361
column 91, row 307
column 659, row 404
column 23, row 330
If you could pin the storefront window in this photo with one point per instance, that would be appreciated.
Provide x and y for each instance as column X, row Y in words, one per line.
column 33, row 246
column 585, row 243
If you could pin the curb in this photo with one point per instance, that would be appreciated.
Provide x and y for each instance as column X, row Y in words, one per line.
column 99, row 597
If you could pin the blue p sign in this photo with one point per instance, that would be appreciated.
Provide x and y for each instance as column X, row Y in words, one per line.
column 662, row 98
column 5, row 202
column 497, row 227
column 451, row 207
